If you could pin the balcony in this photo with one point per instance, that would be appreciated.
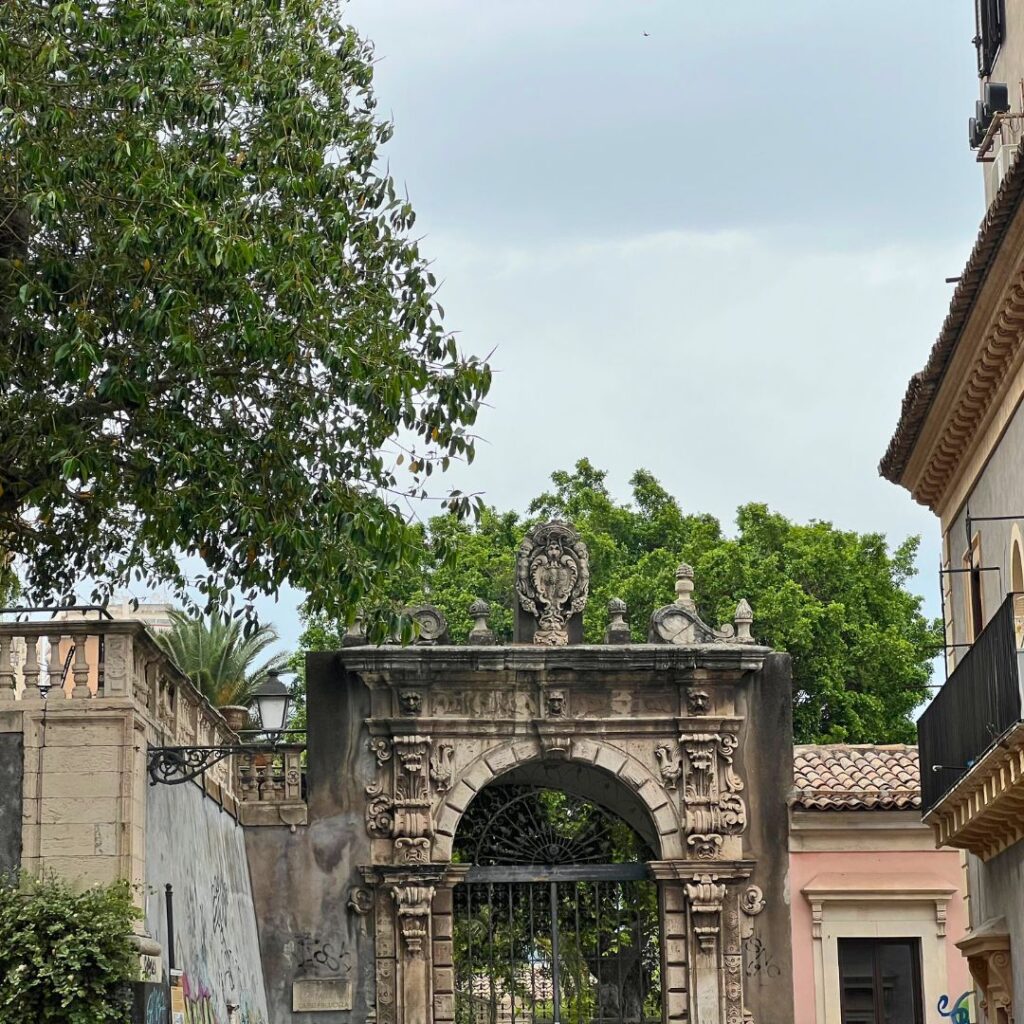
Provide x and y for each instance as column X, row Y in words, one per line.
column 971, row 742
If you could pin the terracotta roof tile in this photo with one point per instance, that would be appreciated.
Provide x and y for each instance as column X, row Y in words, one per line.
column 844, row 777
column 924, row 385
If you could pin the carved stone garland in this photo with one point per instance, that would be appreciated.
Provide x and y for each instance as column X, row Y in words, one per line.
column 552, row 580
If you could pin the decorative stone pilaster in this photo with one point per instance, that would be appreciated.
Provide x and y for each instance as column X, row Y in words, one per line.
column 716, row 814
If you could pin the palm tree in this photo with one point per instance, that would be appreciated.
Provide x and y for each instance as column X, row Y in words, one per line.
column 219, row 660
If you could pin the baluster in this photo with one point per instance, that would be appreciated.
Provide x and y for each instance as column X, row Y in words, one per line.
column 6, row 671
column 31, row 670
column 56, row 670
column 80, row 669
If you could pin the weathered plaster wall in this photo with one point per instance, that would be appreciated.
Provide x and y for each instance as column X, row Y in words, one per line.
column 200, row 850
column 11, row 769
column 997, row 890
column 946, row 975
column 999, row 491
column 302, row 881
column 766, row 762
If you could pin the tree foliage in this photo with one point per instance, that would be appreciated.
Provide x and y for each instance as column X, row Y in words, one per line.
column 222, row 662
column 835, row 600
column 65, row 957
column 217, row 336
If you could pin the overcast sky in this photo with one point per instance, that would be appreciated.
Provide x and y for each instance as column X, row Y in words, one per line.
column 704, row 238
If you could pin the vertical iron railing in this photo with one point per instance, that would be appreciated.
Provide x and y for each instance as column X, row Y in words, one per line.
column 976, row 705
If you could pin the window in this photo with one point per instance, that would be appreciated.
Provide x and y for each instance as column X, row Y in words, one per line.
column 880, row 981
column 974, row 606
column 990, row 23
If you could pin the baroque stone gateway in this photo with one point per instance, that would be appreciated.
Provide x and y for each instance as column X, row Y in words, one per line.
column 543, row 831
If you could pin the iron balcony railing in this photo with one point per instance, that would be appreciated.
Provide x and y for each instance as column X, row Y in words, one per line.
column 978, row 703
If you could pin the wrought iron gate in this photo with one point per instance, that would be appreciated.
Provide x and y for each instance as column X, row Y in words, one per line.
column 556, row 921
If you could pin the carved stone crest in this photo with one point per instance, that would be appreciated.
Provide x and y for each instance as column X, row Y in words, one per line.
column 552, row 583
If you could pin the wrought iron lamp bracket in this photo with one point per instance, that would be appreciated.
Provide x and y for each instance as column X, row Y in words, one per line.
column 175, row 765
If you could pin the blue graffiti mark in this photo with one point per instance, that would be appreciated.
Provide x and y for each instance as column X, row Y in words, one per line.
column 959, row 1014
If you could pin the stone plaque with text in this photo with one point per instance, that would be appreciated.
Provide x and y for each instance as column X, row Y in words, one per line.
column 312, row 994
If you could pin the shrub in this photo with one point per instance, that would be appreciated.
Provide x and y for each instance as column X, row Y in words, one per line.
column 65, row 956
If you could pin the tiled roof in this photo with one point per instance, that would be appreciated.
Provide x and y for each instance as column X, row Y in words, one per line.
column 845, row 777
column 925, row 383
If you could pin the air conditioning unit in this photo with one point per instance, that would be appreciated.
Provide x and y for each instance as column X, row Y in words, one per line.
column 1004, row 157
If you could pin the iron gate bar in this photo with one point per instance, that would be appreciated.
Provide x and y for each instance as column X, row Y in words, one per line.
column 558, row 873
column 556, row 981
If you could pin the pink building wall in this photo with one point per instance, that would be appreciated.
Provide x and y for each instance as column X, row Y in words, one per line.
column 803, row 867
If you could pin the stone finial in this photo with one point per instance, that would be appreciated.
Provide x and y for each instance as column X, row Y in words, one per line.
column 552, row 583
column 481, row 633
column 744, row 618
column 431, row 625
column 618, row 629
column 355, row 635
column 684, row 586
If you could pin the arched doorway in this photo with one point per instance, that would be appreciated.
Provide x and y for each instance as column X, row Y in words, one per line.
column 556, row 918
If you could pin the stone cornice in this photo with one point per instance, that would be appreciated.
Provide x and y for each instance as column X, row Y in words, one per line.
column 427, row 662
column 961, row 412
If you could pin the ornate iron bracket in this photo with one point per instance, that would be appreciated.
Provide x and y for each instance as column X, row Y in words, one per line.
column 175, row 765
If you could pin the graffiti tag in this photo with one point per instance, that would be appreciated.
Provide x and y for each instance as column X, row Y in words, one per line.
column 759, row 959
column 959, row 1013
column 314, row 952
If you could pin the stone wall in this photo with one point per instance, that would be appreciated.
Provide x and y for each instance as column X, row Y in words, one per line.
column 303, row 881
column 11, row 769
column 199, row 848
column 766, row 760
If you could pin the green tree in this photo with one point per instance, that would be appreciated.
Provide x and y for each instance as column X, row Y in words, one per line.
column 219, row 658
column 835, row 599
column 218, row 337
column 65, row 957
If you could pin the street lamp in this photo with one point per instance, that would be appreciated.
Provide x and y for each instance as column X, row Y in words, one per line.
column 175, row 765
column 273, row 700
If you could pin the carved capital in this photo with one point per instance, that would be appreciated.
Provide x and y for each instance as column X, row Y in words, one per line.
column 412, row 905
column 705, row 895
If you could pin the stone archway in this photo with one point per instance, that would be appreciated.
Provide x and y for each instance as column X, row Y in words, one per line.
column 634, row 792
column 665, row 735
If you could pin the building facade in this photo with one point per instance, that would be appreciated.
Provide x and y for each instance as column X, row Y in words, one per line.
column 959, row 449
column 877, row 909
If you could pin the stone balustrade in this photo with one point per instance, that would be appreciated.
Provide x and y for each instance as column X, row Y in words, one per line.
column 72, row 666
column 270, row 785
column 102, row 664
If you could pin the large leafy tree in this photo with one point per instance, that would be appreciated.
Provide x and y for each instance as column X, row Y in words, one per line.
column 218, row 337
column 224, row 663
column 835, row 599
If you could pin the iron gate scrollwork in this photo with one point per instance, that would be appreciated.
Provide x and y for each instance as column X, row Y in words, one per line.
column 557, row 920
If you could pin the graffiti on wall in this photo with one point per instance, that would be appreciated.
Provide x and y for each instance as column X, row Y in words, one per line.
column 201, row 1008
column 959, row 1012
